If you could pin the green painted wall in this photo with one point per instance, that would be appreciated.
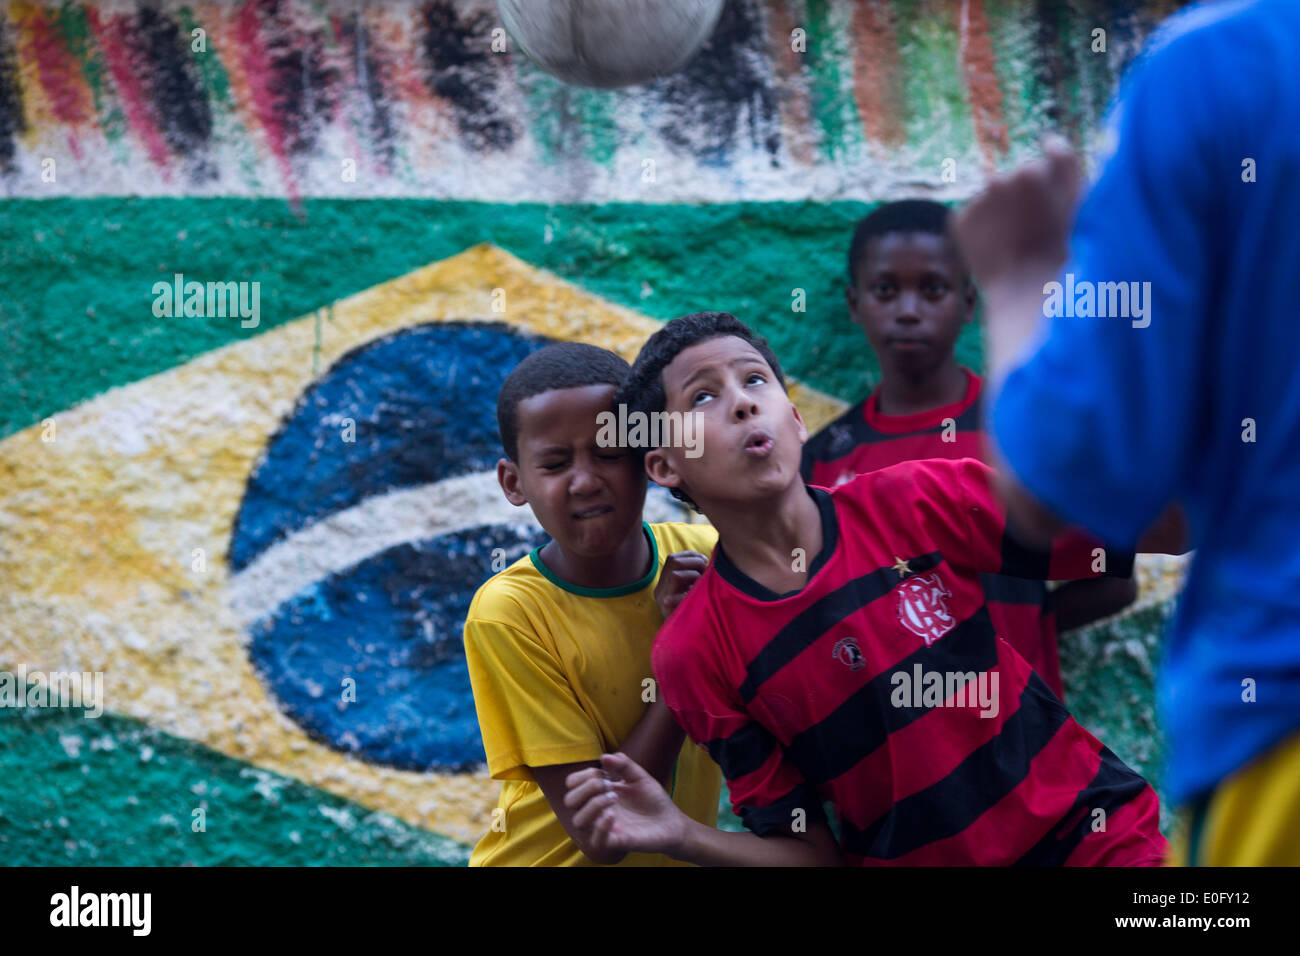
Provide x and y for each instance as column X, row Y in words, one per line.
column 116, row 792
column 76, row 312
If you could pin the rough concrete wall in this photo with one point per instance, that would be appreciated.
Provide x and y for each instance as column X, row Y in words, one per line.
column 130, row 440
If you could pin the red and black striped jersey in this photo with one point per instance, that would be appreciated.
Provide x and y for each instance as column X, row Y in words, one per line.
column 882, row 688
column 863, row 440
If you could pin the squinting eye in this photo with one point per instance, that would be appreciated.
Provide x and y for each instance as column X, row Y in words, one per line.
column 552, row 466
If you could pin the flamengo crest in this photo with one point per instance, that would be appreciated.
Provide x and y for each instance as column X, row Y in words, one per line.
column 923, row 607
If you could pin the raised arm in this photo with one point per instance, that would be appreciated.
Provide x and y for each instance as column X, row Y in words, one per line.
column 1103, row 420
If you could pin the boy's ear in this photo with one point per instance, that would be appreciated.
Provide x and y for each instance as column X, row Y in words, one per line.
column 508, row 479
column 851, row 300
column 660, row 469
column 803, row 428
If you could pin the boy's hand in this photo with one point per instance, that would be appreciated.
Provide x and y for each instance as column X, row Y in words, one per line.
column 1014, row 236
column 621, row 808
column 681, row 570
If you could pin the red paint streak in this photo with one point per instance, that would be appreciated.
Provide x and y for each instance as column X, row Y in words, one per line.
column 60, row 76
column 401, row 32
column 257, row 68
column 221, row 37
column 401, row 40
column 111, row 38
column 877, row 73
column 796, row 109
column 978, row 64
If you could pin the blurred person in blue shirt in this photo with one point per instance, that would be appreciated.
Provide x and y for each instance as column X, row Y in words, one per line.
column 1152, row 356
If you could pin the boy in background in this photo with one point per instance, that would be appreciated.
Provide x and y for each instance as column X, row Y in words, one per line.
column 558, row 644
column 909, row 291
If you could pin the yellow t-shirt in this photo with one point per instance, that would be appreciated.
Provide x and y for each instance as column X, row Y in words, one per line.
column 557, row 672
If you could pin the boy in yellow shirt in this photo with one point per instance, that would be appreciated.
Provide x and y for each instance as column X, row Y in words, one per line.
column 558, row 644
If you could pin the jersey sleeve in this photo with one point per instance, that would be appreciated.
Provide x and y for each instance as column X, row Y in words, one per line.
column 767, row 790
column 690, row 537
column 963, row 518
column 1100, row 422
column 528, row 713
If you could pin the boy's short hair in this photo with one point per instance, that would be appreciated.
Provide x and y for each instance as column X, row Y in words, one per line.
column 644, row 389
column 906, row 215
column 561, row 365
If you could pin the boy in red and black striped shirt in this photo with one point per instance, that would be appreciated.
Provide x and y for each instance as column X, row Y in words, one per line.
column 839, row 648
column 909, row 292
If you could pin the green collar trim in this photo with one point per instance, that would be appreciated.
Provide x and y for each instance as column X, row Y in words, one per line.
column 623, row 589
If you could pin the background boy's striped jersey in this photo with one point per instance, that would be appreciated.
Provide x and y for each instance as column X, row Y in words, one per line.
column 863, row 439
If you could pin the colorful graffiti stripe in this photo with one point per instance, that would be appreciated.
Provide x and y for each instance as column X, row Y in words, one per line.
column 270, row 97
column 158, row 500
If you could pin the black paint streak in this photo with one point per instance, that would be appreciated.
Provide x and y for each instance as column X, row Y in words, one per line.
column 1050, row 63
column 162, row 53
column 729, row 78
column 465, row 72
column 12, row 120
column 371, row 74
column 304, row 84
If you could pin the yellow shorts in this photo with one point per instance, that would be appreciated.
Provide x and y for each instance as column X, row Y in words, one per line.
column 1251, row 818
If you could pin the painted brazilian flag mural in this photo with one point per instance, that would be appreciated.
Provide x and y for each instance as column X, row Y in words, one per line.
column 265, row 265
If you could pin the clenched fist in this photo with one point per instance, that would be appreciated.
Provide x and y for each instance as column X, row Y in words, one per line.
column 681, row 570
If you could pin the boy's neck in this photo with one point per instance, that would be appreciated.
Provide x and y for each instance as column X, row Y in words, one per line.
column 767, row 540
column 629, row 563
column 903, row 394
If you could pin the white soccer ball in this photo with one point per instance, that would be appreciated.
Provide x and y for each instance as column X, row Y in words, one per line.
column 609, row 43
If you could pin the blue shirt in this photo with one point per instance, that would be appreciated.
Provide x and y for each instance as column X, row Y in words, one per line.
column 1112, row 417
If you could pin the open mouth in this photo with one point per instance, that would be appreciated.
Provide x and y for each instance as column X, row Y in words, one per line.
column 759, row 444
